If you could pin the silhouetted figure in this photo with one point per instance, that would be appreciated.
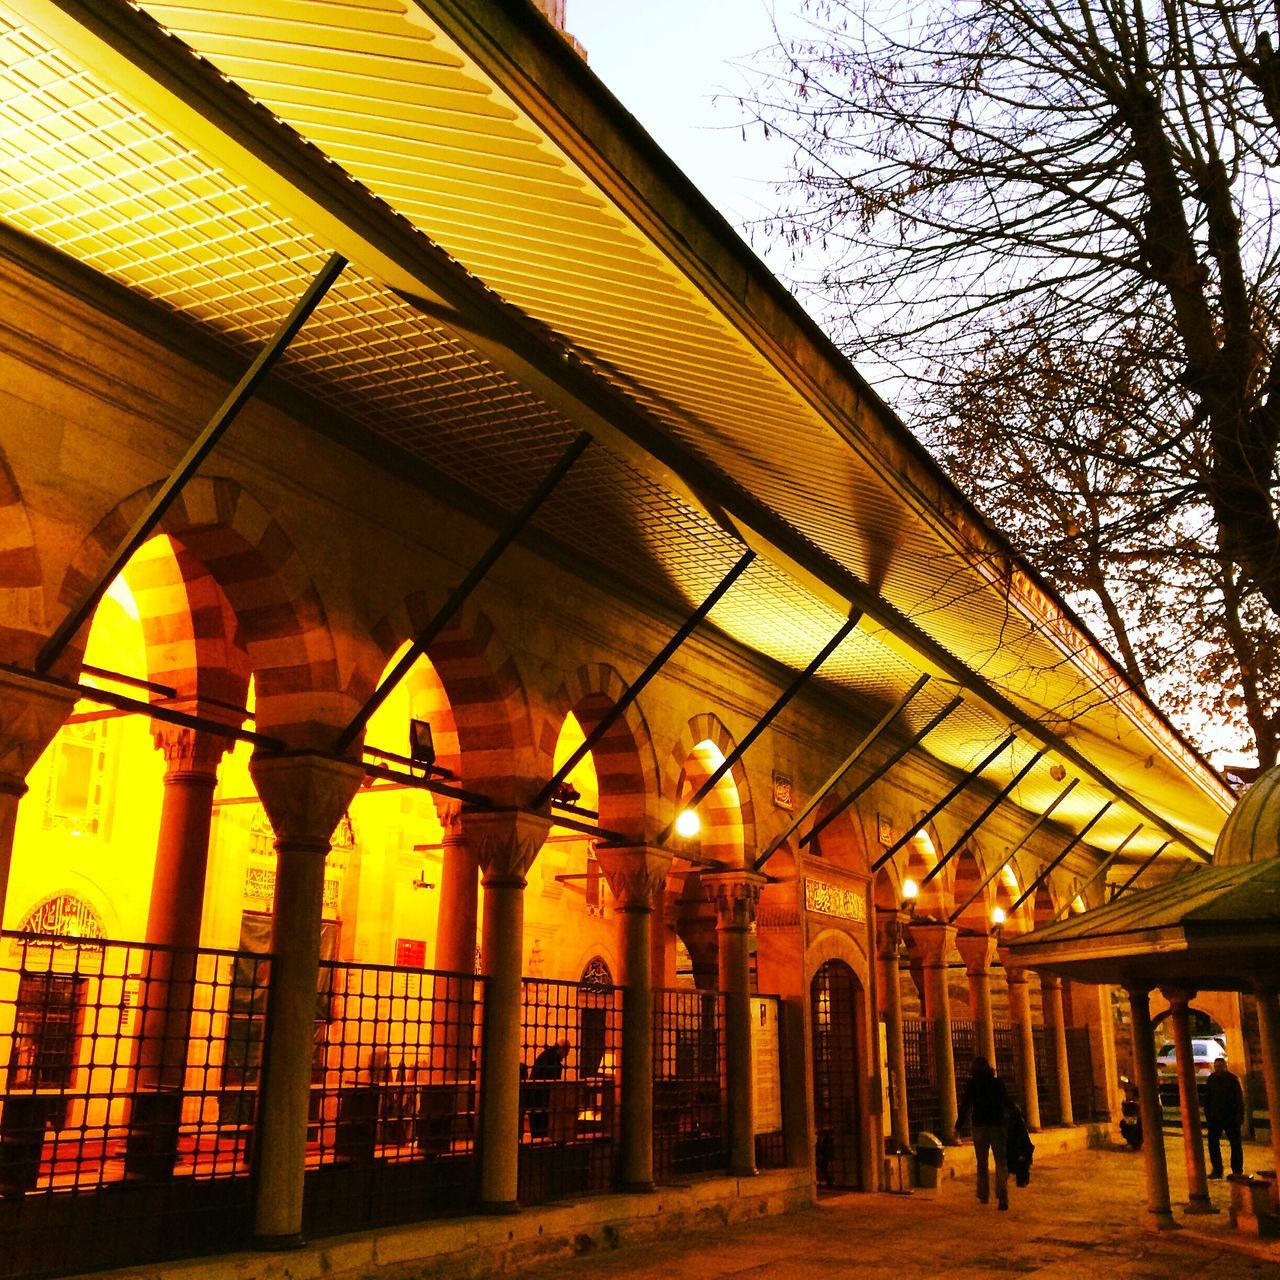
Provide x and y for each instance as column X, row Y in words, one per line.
column 548, row 1065
column 986, row 1098
column 1131, row 1117
column 1224, row 1114
column 1020, row 1149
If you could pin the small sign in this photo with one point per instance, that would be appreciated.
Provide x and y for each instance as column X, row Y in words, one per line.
column 783, row 792
column 411, row 953
column 884, row 830
column 766, row 1084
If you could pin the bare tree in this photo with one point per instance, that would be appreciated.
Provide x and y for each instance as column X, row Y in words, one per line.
column 1102, row 168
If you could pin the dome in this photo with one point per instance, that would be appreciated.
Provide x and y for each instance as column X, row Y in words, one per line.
column 1252, row 832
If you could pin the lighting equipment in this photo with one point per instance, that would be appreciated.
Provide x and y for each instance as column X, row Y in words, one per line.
column 688, row 824
column 422, row 749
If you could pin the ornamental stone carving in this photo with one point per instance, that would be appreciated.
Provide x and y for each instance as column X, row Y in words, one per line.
column 735, row 895
column 506, row 842
column 190, row 755
column 836, row 900
column 305, row 796
column 31, row 713
column 636, row 873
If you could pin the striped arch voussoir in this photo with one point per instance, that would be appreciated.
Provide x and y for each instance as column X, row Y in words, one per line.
column 21, row 589
column 707, row 727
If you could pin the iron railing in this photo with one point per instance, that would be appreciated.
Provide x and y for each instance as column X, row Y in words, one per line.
column 1047, row 1078
column 128, row 1098
column 923, row 1109
column 571, row 1049
column 1080, row 1065
column 1006, row 1063
column 690, row 1104
column 393, row 1120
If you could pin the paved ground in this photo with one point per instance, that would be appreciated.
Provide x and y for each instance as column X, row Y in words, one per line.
column 1078, row 1218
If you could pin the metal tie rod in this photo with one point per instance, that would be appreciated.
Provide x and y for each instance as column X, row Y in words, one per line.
column 1071, row 844
column 1102, row 868
column 1128, row 884
column 144, row 526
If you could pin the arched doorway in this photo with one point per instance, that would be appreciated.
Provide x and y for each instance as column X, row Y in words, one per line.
column 834, row 996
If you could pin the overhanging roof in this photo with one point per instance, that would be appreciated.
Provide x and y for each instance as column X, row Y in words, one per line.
column 1214, row 928
column 583, row 285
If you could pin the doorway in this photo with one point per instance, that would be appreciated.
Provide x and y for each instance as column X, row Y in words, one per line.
column 834, row 999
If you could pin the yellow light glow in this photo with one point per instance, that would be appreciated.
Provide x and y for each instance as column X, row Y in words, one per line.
column 120, row 593
column 998, row 915
column 910, row 891
column 1078, row 905
column 688, row 824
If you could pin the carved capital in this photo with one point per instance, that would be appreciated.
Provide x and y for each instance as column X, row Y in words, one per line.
column 449, row 815
column 890, row 929
column 304, row 795
column 189, row 754
column 735, row 895
column 1050, row 982
column 31, row 712
column 934, row 942
column 1179, row 998
column 506, row 842
column 636, row 873
column 1013, row 970
column 978, row 951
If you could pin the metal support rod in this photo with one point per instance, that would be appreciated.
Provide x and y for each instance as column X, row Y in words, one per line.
column 615, row 712
column 1008, row 857
column 132, row 682
column 1101, row 868
column 767, row 719
column 972, row 829
column 201, row 447
column 1129, row 882
column 879, row 771
column 845, row 765
column 1049, row 867
column 458, row 596
column 956, row 790
column 473, row 798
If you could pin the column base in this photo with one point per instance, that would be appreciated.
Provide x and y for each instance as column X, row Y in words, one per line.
column 1196, row 1205
column 1162, row 1220
column 638, row 1188
column 745, row 1171
column 496, row 1208
column 278, row 1244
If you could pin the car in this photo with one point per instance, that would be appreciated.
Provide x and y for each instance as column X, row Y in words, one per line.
column 1206, row 1051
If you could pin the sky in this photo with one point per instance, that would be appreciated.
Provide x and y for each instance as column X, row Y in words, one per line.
column 672, row 64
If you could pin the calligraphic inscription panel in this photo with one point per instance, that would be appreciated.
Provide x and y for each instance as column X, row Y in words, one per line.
column 834, row 900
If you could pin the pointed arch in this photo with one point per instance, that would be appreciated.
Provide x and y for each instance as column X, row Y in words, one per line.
column 21, row 589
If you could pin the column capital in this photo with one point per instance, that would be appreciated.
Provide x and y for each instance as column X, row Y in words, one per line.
column 734, row 894
column 505, row 841
column 449, row 815
column 1178, row 997
column 1049, row 981
column 636, row 873
column 934, row 940
column 305, row 795
column 978, row 951
column 189, row 754
column 890, row 928
column 31, row 713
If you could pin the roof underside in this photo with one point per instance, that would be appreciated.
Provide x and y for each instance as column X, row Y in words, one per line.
column 103, row 168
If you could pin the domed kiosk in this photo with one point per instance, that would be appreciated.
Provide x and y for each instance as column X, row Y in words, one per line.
column 1208, row 927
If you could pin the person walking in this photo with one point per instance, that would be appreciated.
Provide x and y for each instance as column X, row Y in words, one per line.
column 987, row 1100
column 1224, row 1114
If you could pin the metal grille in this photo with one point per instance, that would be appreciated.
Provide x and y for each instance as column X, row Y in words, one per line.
column 690, row 1103
column 1080, row 1065
column 1047, row 1078
column 129, row 1095
column 832, row 997
column 393, row 1101
column 964, row 1048
column 1006, row 1063
column 922, row 1088
column 571, row 1048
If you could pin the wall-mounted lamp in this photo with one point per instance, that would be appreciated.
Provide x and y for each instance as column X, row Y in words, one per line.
column 998, row 918
column 910, row 892
column 422, row 748
column 688, row 824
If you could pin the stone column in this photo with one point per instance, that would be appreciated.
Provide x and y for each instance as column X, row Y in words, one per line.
column 1020, row 1016
column 978, row 950
column 506, row 844
column 304, row 797
column 174, row 918
column 1188, row 1100
column 1144, row 1054
column 735, row 895
column 637, row 878
column 889, row 989
column 1055, row 1022
column 1269, row 1033
column 31, row 713
column 935, row 941
column 452, row 1030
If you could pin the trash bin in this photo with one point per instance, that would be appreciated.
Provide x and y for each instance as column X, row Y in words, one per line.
column 929, row 1152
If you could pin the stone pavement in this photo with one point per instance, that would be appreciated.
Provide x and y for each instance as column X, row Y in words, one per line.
column 1080, row 1217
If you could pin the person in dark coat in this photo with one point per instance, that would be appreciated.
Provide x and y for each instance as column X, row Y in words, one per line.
column 1224, row 1114
column 987, row 1101
column 1020, row 1149
column 548, row 1065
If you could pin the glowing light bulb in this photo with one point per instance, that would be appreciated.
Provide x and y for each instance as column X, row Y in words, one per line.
column 910, row 891
column 688, row 824
column 998, row 915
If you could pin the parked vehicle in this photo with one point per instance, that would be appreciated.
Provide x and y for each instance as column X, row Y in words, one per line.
column 1207, row 1050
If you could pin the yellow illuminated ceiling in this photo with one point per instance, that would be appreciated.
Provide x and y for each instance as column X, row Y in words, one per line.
column 109, row 166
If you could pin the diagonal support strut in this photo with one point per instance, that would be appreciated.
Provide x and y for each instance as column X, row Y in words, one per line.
column 1103, row 867
column 845, row 765
column 767, row 719
column 145, row 525
column 637, row 686
column 458, row 596
column 1128, row 884
column 1050, row 866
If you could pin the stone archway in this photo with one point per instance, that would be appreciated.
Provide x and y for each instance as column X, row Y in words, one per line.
column 835, row 1002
